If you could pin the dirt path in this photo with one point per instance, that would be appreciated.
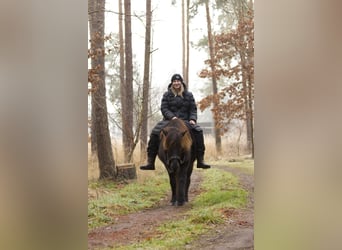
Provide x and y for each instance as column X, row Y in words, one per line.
column 235, row 233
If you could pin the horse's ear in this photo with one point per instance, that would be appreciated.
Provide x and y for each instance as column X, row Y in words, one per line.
column 183, row 133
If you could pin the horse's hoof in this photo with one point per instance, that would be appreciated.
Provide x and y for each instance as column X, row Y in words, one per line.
column 173, row 203
column 180, row 203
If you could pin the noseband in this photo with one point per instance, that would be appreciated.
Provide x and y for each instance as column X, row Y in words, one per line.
column 175, row 157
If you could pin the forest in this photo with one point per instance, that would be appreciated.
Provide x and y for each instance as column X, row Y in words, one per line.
column 125, row 85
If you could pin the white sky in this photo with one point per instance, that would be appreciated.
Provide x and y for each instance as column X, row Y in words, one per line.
column 167, row 39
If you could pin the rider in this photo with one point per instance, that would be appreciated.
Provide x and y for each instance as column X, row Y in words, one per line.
column 177, row 102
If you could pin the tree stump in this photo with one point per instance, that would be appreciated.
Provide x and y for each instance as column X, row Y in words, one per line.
column 127, row 171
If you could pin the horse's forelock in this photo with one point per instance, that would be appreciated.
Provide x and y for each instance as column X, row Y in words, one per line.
column 173, row 131
column 186, row 141
column 172, row 136
column 163, row 138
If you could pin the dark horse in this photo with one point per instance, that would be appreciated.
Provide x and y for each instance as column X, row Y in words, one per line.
column 176, row 151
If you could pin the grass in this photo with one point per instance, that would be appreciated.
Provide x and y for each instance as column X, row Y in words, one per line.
column 246, row 164
column 110, row 199
column 220, row 190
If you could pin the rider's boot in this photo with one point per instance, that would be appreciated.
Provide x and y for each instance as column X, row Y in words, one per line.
column 152, row 151
column 200, row 162
column 200, row 148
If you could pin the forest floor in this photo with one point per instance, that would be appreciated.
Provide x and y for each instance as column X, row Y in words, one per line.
column 237, row 232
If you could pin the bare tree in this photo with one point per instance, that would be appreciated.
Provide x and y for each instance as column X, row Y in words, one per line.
column 187, row 59
column 92, row 30
column 185, row 40
column 146, row 80
column 124, row 108
column 127, row 117
column 97, row 77
column 218, row 142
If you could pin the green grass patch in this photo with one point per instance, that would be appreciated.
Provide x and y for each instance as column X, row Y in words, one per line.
column 206, row 216
column 245, row 164
column 113, row 199
column 221, row 190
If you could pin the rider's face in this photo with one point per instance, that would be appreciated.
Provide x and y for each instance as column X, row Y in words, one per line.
column 176, row 84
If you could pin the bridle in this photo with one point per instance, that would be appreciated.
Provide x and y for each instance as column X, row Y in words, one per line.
column 175, row 157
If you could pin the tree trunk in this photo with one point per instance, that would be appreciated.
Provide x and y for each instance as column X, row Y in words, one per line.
column 146, row 81
column 104, row 146
column 218, row 143
column 92, row 30
column 186, row 76
column 246, row 55
column 183, row 40
column 124, row 109
column 93, row 126
column 250, row 78
column 251, row 113
column 127, row 119
column 247, row 101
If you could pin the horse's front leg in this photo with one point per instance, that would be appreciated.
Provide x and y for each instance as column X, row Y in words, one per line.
column 173, row 188
column 187, row 184
column 181, row 186
column 188, row 181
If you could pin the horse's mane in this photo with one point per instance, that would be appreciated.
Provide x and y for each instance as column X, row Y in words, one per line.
column 172, row 130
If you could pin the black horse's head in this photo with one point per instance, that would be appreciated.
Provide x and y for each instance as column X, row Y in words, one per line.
column 173, row 151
